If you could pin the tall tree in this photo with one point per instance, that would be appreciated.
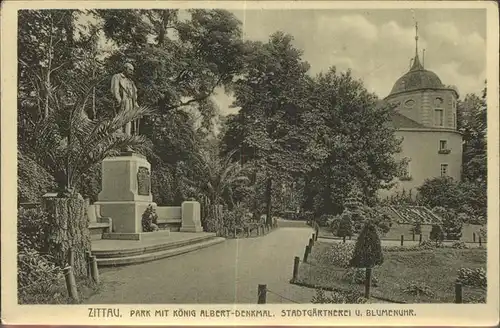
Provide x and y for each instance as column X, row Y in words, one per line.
column 275, row 126
column 472, row 123
column 353, row 126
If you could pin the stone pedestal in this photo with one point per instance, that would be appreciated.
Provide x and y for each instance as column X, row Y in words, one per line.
column 126, row 191
column 191, row 217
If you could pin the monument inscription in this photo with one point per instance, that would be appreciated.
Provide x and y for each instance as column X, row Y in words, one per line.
column 143, row 181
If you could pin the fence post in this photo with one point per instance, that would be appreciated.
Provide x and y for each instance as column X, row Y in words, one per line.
column 402, row 239
column 306, row 253
column 420, row 239
column 296, row 262
column 235, row 235
column 261, row 294
column 95, row 270
column 458, row 292
column 314, row 237
column 474, row 237
column 480, row 243
column 71, row 283
column 311, row 243
column 413, row 236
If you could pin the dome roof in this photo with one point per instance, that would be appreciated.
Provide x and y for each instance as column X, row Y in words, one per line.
column 417, row 78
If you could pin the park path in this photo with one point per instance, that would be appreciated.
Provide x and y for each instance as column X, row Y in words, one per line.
column 222, row 274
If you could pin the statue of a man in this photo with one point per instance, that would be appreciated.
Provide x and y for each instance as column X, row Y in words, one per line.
column 125, row 94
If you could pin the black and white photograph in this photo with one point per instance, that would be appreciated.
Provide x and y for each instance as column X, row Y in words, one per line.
column 244, row 156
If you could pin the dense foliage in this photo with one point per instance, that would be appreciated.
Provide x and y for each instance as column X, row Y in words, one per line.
column 368, row 250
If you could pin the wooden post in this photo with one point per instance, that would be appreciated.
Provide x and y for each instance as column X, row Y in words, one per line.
column 368, row 282
column 95, row 270
column 235, row 235
column 402, row 239
column 343, row 239
column 458, row 292
column 296, row 262
column 420, row 239
column 480, row 243
column 413, row 236
column 311, row 243
column 306, row 253
column 247, row 230
column 71, row 283
column 261, row 294
column 314, row 237
column 474, row 237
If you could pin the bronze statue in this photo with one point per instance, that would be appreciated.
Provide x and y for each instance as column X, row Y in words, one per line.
column 125, row 94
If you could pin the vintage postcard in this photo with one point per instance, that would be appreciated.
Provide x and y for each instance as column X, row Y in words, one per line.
column 250, row 163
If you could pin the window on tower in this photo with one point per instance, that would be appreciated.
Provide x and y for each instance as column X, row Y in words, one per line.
column 439, row 117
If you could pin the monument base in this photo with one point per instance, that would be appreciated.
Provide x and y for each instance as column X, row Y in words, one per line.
column 127, row 215
column 133, row 236
column 191, row 229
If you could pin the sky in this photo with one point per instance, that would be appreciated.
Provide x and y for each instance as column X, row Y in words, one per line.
column 378, row 44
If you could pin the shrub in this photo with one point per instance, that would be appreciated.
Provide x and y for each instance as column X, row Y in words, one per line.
column 368, row 251
column 326, row 220
column 338, row 297
column 437, row 233
column 340, row 254
column 32, row 229
column 452, row 224
column 417, row 289
column 472, row 277
column 32, row 179
column 427, row 244
column 149, row 219
column 357, row 276
column 37, row 275
column 236, row 217
column 459, row 245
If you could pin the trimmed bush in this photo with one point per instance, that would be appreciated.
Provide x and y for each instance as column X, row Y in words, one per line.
column 368, row 250
column 417, row 289
column 338, row 297
column 472, row 277
column 340, row 254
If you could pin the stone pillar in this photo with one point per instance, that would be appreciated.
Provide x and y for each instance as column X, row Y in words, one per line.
column 191, row 217
column 126, row 191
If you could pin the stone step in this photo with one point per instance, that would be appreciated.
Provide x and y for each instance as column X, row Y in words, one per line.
column 152, row 256
column 154, row 248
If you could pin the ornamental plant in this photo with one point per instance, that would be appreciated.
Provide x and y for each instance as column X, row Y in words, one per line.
column 367, row 253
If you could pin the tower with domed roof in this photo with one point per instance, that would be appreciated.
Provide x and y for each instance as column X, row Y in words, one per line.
column 426, row 121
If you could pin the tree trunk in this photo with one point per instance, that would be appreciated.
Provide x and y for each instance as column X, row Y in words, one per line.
column 269, row 188
column 68, row 230
column 368, row 282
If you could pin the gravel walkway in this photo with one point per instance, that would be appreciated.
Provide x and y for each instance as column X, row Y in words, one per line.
column 222, row 274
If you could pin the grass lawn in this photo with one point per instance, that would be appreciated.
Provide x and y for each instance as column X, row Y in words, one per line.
column 435, row 268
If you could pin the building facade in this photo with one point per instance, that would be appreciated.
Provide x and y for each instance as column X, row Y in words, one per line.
column 426, row 121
